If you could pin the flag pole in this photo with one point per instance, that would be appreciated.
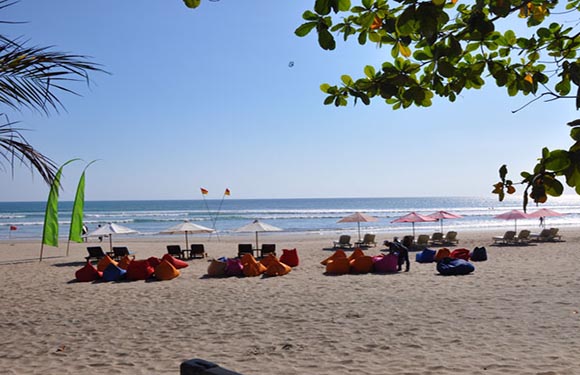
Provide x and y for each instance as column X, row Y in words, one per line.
column 226, row 192
column 203, row 193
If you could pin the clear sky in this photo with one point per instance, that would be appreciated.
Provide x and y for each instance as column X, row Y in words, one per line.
column 206, row 98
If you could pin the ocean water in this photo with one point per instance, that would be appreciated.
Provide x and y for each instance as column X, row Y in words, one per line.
column 292, row 215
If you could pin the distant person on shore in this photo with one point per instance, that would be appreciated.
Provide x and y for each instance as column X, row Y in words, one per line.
column 84, row 232
column 401, row 250
column 100, row 237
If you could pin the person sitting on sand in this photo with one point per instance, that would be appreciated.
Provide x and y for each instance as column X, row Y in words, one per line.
column 401, row 250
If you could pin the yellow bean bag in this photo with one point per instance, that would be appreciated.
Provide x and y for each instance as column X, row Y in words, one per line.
column 277, row 268
column 216, row 268
column 338, row 266
column 124, row 262
column 362, row 264
column 442, row 253
column 357, row 253
column 166, row 271
column 251, row 266
column 337, row 254
column 104, row 263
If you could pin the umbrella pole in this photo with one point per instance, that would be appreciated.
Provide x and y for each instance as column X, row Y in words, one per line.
column 441, row 225
column 110, row 243
column 413, row 230
column 359, row 238
column 257, row 240
column 186, row 242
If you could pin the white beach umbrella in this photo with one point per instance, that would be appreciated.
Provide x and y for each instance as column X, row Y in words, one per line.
column 258, row 226
column 187, row 227
column 109, row 230
column 358, row 217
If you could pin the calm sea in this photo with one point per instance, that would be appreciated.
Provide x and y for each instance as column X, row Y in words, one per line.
column 293, row 215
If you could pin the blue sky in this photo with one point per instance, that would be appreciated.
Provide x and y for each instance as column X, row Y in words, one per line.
column 206, row 98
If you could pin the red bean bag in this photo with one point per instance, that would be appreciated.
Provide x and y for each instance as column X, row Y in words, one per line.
column 356, row 254
column 337, row 254
column 88, row 273
column 104, row 263
column 277, row 268
column 166, row 271
column 251, row 266
column 124, row 262
column 386, row 263
column 139, row 270
column 442, row 253
column 290, row 257
column 234, row 267
column 460, row 254
column 362, row 264
column 338, row 266
column 216, row 268
column 154, row 261
column 177, row 263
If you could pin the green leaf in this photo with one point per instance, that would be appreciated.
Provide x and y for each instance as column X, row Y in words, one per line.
column 324, row 87
column 575, row 133
column 503, row 172
column 322, row 7
column 370, row 71
column 192, row 3
column 326, row 40
column 305, row 28
column 553, row 187
column 510, row 37
column 346, row 79
column 329, row 100
column 343, row 5
column 557, row 160
column 309, row 16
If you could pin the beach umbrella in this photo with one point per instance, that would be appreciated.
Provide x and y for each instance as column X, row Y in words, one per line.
column 441, row 215
column 258, row 226
column 543, row 213
column 414, row 218
column 358, row 217
column 186, row 227
column 513, row 215
column 109, row 230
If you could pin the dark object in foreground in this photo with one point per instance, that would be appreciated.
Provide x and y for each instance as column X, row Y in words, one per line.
column 198, row 366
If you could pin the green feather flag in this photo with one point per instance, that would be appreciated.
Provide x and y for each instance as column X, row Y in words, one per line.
column 76, row 221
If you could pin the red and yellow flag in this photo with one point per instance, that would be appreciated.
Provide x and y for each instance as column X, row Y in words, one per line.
column 227, row 192
column 203, row 191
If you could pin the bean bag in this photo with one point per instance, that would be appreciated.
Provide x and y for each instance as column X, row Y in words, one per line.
column 450, row 267
column 216, row 268
column 113, row 273
column 338, row 266
column 88, row 273
column 386, row 263
column 442, row 253
column 336, row 254
column 479, row 254
column 251, row 266
column 140, row 270
column 234, row 267
column 356, row 254
column 460, row 254
column 268, row 259
column 104, row 263
column 153, row 261
column 177, row 263
column 362, row 264
column 166, row 271
column 290, row 257
column 277, row 268
column 425, row 256
column 124, row 262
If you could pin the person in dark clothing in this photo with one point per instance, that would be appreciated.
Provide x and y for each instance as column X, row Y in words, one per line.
column 401, row 250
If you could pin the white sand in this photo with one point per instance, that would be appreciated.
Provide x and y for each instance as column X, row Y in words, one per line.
column 517, row 314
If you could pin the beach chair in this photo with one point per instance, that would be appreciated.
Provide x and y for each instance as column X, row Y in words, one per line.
column 543, row 236
column 523, row 237
column 436, row 239
column 121, row 251
column 367, row 241
column 95, row 252
column 197, row 251
column 422, row 242
column 554, row 236
column 245, row 248
column 343, row 241
column 267, row 249
column 175, row 251
column 507, row 239
column 451, row 238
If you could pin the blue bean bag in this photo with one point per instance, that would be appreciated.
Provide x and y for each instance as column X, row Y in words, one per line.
column 113, row 273
column 425, row 256
column 451, row 267
column 479, row 254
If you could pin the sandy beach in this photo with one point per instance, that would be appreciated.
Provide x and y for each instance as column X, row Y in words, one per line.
column 518, row 313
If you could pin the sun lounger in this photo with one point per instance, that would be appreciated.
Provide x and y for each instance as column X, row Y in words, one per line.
column 437, row 239
column 175, row 251
column 523, row 237
column 422, row 242
column 267, row 249
column 121, row 251
column 343, row 241
column 451, row 238
column 546, row 235
column 367, row 241
column 197, row 251
column 95, row 252
column 245, row 248
column 508, row 238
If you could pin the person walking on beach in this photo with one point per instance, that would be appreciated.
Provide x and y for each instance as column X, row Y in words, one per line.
column 401, row 250
column 84, row 232
column 100, row 237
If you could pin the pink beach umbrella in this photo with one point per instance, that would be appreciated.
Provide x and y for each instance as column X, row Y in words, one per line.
column 358, row 217
column 545, row 212
column 513, row 215
column 440, row 215
column 414, row 218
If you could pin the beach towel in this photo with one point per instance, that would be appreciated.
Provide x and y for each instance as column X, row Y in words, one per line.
column 104, row 263
column 385, row 263
column 362, row 264
column 113, row 273
column 290, row 257
column 251, row 266
column 338, row 266
column 124, row 262
column 234, row 267
column 277, row 268
column 425, row 256
column 460, row 254
column 479, row 254
column 88, row 273
column 356, row 254
column 166, row 271
column 336, row 254
column 139, row 270
column 177, row 263
column 451, row 267
column 216, row 268
column 442, row 253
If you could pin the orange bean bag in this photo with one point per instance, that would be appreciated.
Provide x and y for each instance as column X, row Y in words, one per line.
column 337, row 254
column 338, row 266
column 216, row 268
column 166, row 271
column 124, row 262
column 268, row 259
column 442, row 253
column 139, row 270
column 251, row 266
column 104, row 263
column 277, row 268
column 362, row 264
column 88, row 273
column 177, row 263
column 290, row 257
column 356, row 254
